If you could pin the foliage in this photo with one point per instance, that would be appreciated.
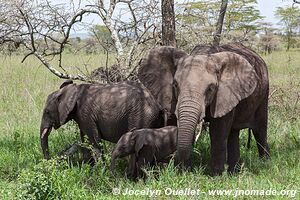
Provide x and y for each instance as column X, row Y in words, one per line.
column 102, row 36
column 25, row 86
column 200, row 18
column 24, row 174
column 43, row 29
column 37, row 183
column 242, row 15
column 268, row 40
column 54, row 179
column 290, row 19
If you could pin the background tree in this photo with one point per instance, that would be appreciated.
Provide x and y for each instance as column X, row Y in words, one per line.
column 217, row 35
column 242, row 20
column 290, row 19
column 196, row 22
column 43, row 28
column 200, row 18
column 168, row 23
column 268, row 40
column 101, row 35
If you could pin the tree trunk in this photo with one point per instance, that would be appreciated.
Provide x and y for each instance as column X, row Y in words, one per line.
column 168, row 23
column 289, row 36
column 217, row 36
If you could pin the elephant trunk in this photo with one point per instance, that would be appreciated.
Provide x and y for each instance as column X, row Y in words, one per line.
column 113, row 163
column 44, row 133
column 189, row 113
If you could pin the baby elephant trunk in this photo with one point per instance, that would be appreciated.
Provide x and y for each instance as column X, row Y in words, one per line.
column 44, row 133
column 113, row 163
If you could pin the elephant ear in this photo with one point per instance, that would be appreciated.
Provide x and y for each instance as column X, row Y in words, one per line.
column 67, row 98
column 237, row 80
column 140, row 141
column 143, row 150
column 157, row 71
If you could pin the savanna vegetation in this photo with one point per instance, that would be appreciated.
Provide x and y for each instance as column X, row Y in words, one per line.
column 34, row 62
column 25, row 175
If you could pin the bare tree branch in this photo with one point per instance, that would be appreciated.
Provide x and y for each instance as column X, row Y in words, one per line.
column 43, row 29
column 60, row 74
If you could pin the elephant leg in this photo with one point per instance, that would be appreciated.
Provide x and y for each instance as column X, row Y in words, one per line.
column 132, row 169
column 139, row 172
column 233, row 151
column 145, row 157
column 94, row 139
column 97, row 148
column 260, row 130
column 219, row 131
column 86, row 153
column 260, row 134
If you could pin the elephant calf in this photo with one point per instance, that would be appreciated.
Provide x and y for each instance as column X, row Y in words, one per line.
column 146, row 146
column 102, row 111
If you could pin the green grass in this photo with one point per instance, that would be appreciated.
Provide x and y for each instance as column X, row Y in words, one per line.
column 24, row 174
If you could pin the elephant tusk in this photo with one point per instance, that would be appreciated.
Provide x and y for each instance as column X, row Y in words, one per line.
column 44, row 141
column 44, row 132
column 200, row 130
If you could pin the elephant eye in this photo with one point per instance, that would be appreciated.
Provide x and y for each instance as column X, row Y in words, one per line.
column 175, row 84
column 175, row 89
column 47, row 111
column 211, row 88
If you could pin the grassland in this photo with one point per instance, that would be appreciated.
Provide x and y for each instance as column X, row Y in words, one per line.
column 24, row 174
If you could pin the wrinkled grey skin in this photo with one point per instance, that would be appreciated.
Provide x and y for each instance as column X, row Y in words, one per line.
column 101, row 111
column 228, row 85
column 157, row 73
column 146, row 146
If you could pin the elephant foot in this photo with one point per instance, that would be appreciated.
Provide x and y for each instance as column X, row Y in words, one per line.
column 87, row 156
column 135, row 176
column 217, row 171
column 130, row 174
column 232, row 170
column 186, row 165
column 234, row 166
column 89, row 161
column 265, row 155
column 97, row 155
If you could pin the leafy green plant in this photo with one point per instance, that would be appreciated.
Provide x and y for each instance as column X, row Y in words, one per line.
column 51, row 179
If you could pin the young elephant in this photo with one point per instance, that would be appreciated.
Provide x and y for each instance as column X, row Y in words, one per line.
column 146, row 146
column 102, row 111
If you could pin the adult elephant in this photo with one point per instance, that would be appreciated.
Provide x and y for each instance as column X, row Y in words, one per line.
column 157, row 72
column 228, row 85
column 102, row 111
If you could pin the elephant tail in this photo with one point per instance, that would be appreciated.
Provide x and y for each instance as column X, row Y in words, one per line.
column 249, row 138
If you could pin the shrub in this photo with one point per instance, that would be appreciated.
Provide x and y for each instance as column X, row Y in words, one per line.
column 53, row 179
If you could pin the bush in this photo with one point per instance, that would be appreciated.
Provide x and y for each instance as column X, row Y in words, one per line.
column 53, row 179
